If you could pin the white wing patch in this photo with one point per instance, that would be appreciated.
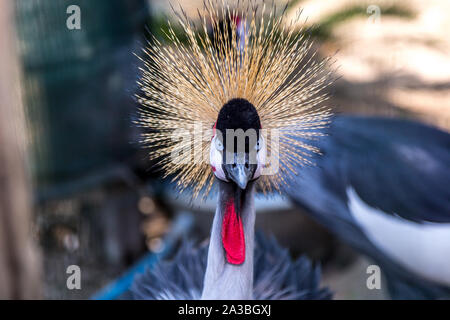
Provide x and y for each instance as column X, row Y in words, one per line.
column 421, row 248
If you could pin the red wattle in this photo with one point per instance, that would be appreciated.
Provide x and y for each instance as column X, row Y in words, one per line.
column 233, row 239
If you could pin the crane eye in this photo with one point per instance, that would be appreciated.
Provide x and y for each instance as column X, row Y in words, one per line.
column 219, row 144
column 258, row 145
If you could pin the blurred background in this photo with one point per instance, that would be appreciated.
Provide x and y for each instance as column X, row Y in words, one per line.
column 77, row 189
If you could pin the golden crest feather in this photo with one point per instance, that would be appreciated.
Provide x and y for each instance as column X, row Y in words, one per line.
column 257, row 56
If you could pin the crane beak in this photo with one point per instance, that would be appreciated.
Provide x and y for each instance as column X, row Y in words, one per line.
column 240, row 174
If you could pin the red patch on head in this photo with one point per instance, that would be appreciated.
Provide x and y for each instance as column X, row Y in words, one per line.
column 233, row 239
column 213, row 168
column 214, row 130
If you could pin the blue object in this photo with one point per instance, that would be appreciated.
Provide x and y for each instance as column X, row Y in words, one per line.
column 182, row 224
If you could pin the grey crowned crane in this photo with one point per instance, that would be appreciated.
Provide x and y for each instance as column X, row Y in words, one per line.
column 214, row 108
column 236, row 265
column 379, row 184
column 383, row 186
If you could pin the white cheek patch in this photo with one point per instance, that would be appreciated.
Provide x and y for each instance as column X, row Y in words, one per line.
column 215, row 160
column 261, row 158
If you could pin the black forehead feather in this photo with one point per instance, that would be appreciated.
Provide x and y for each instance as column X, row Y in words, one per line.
column 238, row 114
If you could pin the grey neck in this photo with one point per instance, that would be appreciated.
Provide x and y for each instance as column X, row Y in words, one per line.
column 224, row 281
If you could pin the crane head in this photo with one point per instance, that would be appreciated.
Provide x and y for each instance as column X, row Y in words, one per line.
column 237, row 147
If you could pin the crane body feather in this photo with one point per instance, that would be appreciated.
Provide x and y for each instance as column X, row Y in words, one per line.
column 398, row 170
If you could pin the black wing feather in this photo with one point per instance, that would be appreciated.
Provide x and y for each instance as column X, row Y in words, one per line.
column 400, row 167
